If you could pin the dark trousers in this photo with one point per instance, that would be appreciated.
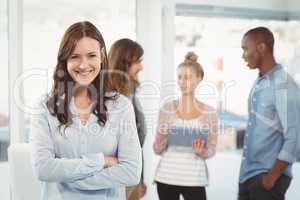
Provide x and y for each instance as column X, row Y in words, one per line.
column 253, row 189
column 172, row 192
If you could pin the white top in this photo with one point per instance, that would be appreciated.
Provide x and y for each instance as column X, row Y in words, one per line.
column 180, row 166
column 70, row 164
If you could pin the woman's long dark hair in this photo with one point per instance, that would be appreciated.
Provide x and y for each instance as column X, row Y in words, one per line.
column 63, row 89
column 122, row 54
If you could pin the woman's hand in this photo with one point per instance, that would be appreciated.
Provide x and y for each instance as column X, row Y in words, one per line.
column 110, row 161
column 198, row 146
column 160, row 143
column 161, row 139
column 142, row 189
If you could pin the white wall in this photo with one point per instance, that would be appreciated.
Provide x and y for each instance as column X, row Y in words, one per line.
column 149, row 35
column 293, row 5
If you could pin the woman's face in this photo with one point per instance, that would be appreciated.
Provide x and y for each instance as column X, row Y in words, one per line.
column 187, row 80
column 84, row 64
column 136, row 67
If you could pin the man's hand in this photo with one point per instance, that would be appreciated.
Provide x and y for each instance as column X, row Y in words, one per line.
column 268, row 180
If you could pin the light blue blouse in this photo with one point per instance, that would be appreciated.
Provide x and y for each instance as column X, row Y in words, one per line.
column 70, row 164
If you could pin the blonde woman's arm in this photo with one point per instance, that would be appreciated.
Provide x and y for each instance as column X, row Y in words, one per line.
column 208, row 150
column 160, row 142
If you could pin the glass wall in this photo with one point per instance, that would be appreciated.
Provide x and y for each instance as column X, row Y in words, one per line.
column 4, row 103
column 4, row 106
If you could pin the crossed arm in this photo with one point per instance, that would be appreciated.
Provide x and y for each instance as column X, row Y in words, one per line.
column 89, row 172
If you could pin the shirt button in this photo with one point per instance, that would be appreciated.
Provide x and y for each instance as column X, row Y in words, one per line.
column 249, row 123
column 254, row 99
column 252, row 111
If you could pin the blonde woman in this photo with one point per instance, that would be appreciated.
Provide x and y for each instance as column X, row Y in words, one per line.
column 182, row 169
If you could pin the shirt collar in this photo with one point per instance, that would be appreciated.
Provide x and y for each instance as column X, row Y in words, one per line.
column 275, row 68
column 75, row 113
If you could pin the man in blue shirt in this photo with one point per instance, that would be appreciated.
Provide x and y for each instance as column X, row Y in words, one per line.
column 270, row 144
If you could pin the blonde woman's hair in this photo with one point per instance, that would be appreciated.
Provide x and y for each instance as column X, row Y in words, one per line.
column 190, row 60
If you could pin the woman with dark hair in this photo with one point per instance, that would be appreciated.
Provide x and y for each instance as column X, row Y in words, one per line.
column 84, row 140
column 125, row 61
column 186, row 137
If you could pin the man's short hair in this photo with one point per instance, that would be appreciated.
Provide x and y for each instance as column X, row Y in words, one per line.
column 262, row 35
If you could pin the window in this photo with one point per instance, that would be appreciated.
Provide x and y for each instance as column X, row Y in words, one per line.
column 219, row 51
column 4, row 131
column 4, row 102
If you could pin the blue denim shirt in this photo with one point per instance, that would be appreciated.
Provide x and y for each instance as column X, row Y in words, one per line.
column 70, row 164
column 273, row 124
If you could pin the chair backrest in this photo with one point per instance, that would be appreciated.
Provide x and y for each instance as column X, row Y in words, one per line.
column 23, row 183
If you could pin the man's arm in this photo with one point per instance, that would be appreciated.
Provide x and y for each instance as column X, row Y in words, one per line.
column 287, row 106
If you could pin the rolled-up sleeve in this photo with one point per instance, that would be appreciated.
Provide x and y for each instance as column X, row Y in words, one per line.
column 128, row 171
column 287, row 106
column 47, row 166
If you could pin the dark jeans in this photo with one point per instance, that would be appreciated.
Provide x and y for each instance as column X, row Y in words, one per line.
column 172, row 192
column 253, row 189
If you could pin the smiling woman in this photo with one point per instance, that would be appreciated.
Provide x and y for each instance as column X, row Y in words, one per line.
column 81, row 55
column 43, row 31
column 84, row 63
column 84, row 141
